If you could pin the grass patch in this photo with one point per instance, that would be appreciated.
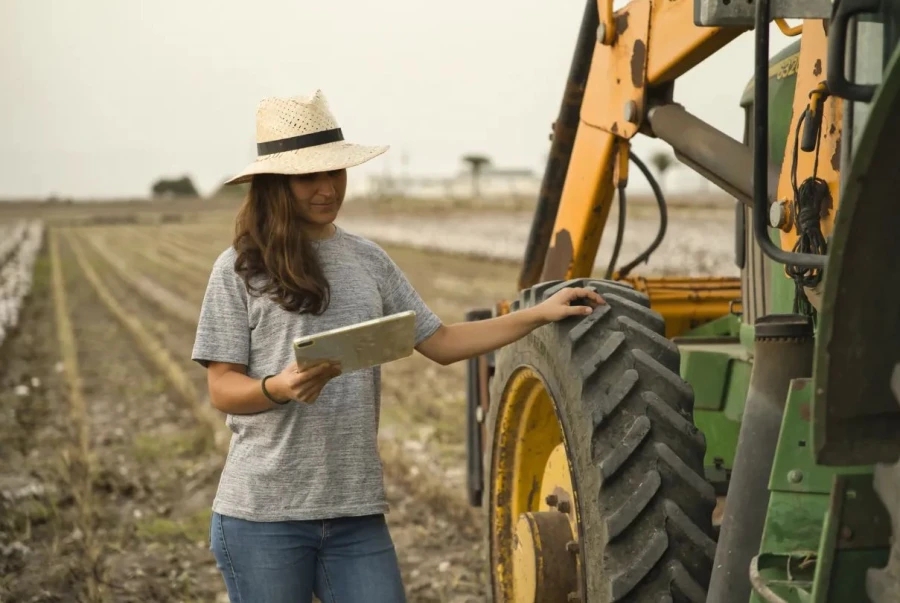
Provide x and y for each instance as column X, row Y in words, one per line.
column 157, row 447
column 194, row 527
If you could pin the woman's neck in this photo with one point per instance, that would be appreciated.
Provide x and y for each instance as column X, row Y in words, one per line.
column 318, row 233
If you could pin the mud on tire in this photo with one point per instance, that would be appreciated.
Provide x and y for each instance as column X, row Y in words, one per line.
column 635, row 456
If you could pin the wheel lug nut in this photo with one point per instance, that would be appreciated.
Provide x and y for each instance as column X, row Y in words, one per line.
column 563, row 506
column 573, row 598
column 572, row 546
column 552, row 499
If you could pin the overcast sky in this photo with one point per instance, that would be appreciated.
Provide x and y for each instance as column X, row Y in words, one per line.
column 101, row 97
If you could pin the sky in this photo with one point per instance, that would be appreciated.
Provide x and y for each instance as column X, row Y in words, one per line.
column 102, row 97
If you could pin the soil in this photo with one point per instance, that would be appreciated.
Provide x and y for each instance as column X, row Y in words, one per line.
column 107, row 469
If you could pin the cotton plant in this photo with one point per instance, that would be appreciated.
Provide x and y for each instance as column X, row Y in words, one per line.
column 19, row 248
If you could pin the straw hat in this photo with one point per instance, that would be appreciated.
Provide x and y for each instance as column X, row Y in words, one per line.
column 299, row 135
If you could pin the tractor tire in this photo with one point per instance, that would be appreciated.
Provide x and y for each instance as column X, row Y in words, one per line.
column 883, row 585
column 635, row 457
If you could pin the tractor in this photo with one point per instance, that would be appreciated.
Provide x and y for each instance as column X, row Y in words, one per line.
column 708, row 440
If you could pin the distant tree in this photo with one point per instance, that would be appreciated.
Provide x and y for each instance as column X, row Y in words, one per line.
column 662, row 161
column 174, row 187
column 231, row 190
column 477, row 164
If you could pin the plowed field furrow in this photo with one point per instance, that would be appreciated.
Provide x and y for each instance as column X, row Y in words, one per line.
column 154, row 470
column 171, row 303
column 140, row 246
column 202, row 235
column 131, row 524
column 165, row 338
column 48, row 511
column 164, row 246
column 78, row 454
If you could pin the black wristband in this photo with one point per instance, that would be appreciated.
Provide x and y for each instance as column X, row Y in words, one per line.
column 268, row 395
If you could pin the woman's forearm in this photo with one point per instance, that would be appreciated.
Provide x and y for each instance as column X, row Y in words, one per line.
column 237, row 394
column 462, row 340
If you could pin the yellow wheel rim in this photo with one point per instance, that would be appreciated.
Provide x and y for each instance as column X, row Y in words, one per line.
column 531, row 486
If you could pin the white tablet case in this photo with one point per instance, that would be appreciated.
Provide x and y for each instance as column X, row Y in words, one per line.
column 361, row 345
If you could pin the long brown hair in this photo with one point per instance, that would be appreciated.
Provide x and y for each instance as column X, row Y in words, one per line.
column 271, row 243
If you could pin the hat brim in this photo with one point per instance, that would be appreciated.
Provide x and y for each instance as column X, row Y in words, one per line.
column 322, row 158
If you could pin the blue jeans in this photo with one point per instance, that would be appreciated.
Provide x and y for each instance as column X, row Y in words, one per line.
column 343, row 560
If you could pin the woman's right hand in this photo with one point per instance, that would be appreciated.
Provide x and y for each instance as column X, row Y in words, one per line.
column 302, row 383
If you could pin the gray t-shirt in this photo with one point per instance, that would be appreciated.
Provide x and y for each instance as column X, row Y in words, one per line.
column 305, row 461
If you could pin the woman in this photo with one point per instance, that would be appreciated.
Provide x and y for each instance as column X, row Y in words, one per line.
column 300, row 505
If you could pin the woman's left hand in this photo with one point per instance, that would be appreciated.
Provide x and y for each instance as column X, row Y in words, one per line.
column 558, row 306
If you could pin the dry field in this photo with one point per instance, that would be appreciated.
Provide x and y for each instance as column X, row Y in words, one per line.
column 110, row 452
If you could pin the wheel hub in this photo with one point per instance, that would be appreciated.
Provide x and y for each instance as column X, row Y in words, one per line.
column 544, row 570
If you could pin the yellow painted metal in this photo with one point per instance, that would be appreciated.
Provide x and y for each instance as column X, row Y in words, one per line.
column 665, row 33
column 527, row 560
column 526, row 434
column 557, row 481
column 605, row 12
column 614, row 95
column 543, row 489
column 684, row 302
column 622, row 162
column 676, row 45
column 811, row 70
column 687, row 302
column 584, row 205
column 787, row 29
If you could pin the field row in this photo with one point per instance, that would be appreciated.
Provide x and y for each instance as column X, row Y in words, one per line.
column 19, row 246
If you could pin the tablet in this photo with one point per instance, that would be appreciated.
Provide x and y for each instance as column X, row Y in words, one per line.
column 362, row 345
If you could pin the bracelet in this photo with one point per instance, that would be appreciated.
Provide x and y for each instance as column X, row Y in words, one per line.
column 268, row 395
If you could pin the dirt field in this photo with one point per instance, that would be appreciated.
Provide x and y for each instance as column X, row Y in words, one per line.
column 109, row 457
column 110, row 452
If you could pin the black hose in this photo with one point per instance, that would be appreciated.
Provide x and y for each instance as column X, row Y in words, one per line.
column 663, row 217
column 620, row 233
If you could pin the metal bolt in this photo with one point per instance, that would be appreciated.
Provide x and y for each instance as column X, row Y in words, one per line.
column 631, row 112
column 552, row 499
column 846, row 533
column 563, row 506
column 572, row 546
column 601, row 34
column 479, row 414
column 778, row 215
column 795, row 476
